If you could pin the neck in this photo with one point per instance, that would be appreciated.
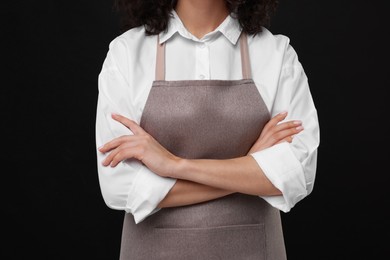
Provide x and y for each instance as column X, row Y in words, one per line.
column 201, row 16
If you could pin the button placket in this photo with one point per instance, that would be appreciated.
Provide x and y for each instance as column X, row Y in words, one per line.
column 202, row 61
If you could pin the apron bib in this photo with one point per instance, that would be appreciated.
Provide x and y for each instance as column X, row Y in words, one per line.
column 206, row 119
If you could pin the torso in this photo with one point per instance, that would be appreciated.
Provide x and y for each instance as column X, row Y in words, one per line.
column 210, row 119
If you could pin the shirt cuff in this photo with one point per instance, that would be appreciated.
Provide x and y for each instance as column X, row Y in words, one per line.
column 146, row 193
column 285, row 172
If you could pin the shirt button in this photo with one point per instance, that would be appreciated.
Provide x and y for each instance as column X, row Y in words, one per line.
column 201, row 76
column 202, row 45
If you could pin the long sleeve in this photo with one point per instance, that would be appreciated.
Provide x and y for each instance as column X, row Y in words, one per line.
column 125, row 81
column 130, row 186
column 291, row 167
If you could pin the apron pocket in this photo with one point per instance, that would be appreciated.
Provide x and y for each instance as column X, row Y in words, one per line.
column 225, row 242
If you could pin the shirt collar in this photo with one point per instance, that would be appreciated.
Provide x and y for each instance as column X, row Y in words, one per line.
column 230, row 28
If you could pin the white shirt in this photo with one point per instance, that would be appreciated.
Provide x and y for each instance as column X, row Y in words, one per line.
column 126, row 79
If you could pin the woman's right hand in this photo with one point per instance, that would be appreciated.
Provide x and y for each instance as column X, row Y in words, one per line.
column 275, row 132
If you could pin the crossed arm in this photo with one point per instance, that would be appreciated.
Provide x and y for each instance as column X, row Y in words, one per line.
column 200, row 180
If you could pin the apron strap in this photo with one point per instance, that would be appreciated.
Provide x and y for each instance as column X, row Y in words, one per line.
column 160, row 60
column 245, row 62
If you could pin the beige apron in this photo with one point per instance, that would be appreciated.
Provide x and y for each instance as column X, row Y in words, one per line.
column 213, row 119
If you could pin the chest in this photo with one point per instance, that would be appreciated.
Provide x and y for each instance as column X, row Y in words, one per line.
column 211, row 119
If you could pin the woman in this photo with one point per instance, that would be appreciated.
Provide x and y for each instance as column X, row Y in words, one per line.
column 205, row 130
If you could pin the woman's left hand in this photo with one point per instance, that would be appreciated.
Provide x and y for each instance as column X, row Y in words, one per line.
column 141, row 146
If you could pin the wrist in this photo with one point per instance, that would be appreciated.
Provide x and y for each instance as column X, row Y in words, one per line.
column 178, row 167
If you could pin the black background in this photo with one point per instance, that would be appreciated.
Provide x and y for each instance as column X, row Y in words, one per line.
column 52, row 52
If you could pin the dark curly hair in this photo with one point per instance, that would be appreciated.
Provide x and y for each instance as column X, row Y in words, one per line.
column 154, row 14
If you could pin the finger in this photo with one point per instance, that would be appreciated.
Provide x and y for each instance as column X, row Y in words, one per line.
column 107, row 161
column 275, row 120
column 287, row 125
column 119, row 156
column 114, row 143
column 132, row 125
column 120, row 152
column 281, row 135
column 111, row 157
column 288, row 139
column 272, row 130
column 280, row 127
column 124, row 154
column 276, row 137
